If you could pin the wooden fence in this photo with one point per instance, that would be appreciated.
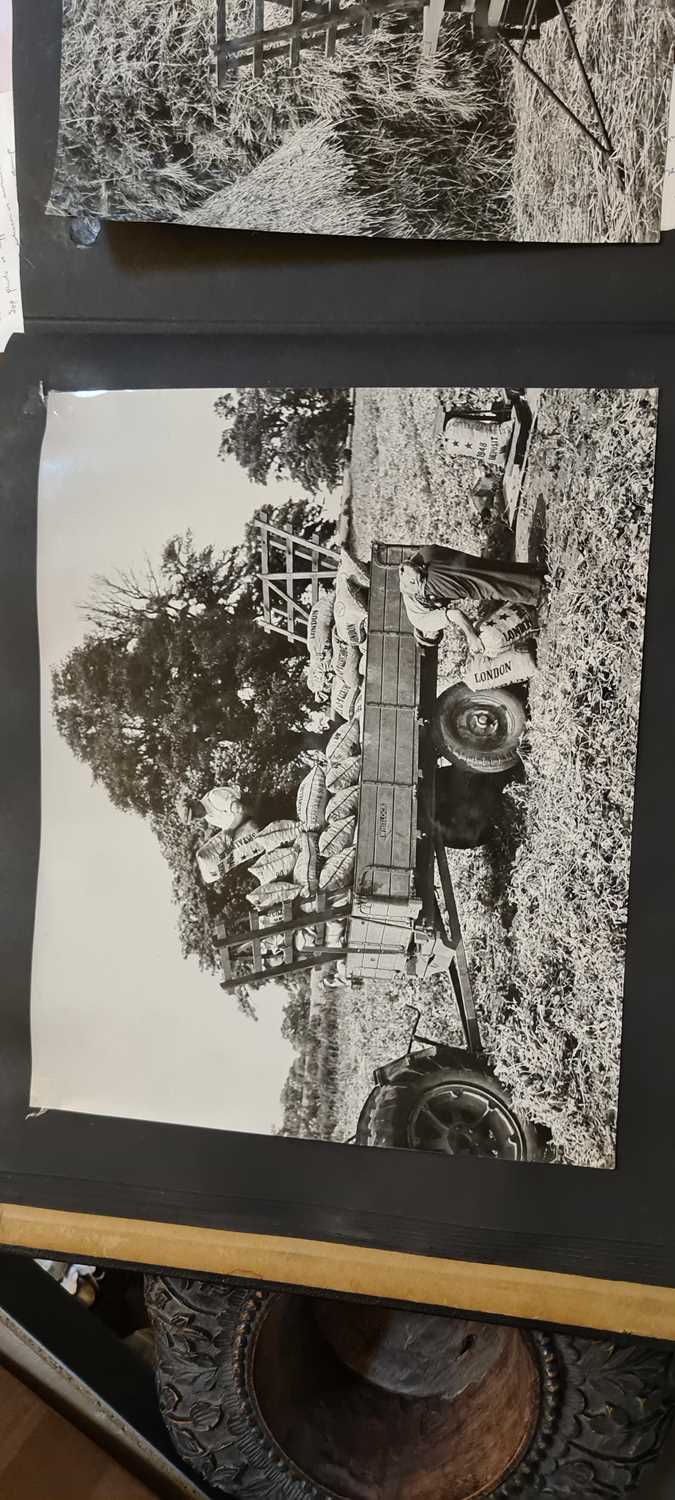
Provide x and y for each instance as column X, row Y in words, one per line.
column 312, row 23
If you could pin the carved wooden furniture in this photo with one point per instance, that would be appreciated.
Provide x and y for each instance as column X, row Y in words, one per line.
column 281, row 1396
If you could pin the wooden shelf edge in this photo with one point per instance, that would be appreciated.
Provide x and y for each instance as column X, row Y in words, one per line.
column 603, row 1306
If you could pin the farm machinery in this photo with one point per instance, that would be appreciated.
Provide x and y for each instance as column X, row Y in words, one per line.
column 397, row 913
column 515, row 24
column 435, row 1097
column 519, row 20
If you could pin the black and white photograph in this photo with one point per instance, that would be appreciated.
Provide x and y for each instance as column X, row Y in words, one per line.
column 488, row 120
column 340, row 695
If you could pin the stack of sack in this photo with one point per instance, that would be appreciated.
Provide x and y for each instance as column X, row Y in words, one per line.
column 271, row 857
column 314, row 854
column 328, row 801
column 215, row 857
column 294, row 860
column 319, row 631
column 277, row 853
column 506, row 654
column 336, row 638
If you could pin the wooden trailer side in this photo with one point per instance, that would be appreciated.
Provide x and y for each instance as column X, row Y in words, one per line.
column 386, row 851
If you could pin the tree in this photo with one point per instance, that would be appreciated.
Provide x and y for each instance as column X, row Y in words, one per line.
column 284, row 433
column 292, row 1113
column 146, row 704
column 200, row 907
column 297, row 1008
column 187, row 580
column 174, row 686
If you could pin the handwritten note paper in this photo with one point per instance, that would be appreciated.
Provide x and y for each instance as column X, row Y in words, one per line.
column 11, row 317
column 668, row 204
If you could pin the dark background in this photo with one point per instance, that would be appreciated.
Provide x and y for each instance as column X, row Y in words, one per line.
column 617, row 1224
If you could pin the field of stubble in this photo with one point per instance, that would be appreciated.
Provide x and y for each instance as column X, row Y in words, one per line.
column 562, row 189
column 544, row 911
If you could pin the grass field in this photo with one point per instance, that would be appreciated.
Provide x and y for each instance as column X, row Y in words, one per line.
column 374, row 143
column 561, row 188
column 378, row 145
column 544, row 910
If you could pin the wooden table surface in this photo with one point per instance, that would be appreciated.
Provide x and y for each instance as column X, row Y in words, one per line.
column 44, row 1457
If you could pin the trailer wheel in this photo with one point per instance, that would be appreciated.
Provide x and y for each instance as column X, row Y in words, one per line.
column 457, row 1109
column 480, row 729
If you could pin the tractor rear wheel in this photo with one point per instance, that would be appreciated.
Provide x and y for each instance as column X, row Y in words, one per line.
column 481, row 730
column 454, row 1107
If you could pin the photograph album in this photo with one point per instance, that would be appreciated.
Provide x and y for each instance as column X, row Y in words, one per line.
column 339, row 713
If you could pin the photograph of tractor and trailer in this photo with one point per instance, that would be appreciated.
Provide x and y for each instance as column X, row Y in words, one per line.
column 526, row 120
column 385, row 744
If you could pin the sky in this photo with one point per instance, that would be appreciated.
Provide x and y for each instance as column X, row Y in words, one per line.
column 121, row 1023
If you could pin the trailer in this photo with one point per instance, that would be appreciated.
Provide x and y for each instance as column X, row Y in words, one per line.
column 396, row 924
column 401, row 916
column 404, row 916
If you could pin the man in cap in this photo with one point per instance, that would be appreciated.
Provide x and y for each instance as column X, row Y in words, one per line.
column 221, row 807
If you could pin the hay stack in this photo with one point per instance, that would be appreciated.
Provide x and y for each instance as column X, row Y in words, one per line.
column 304, row 187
